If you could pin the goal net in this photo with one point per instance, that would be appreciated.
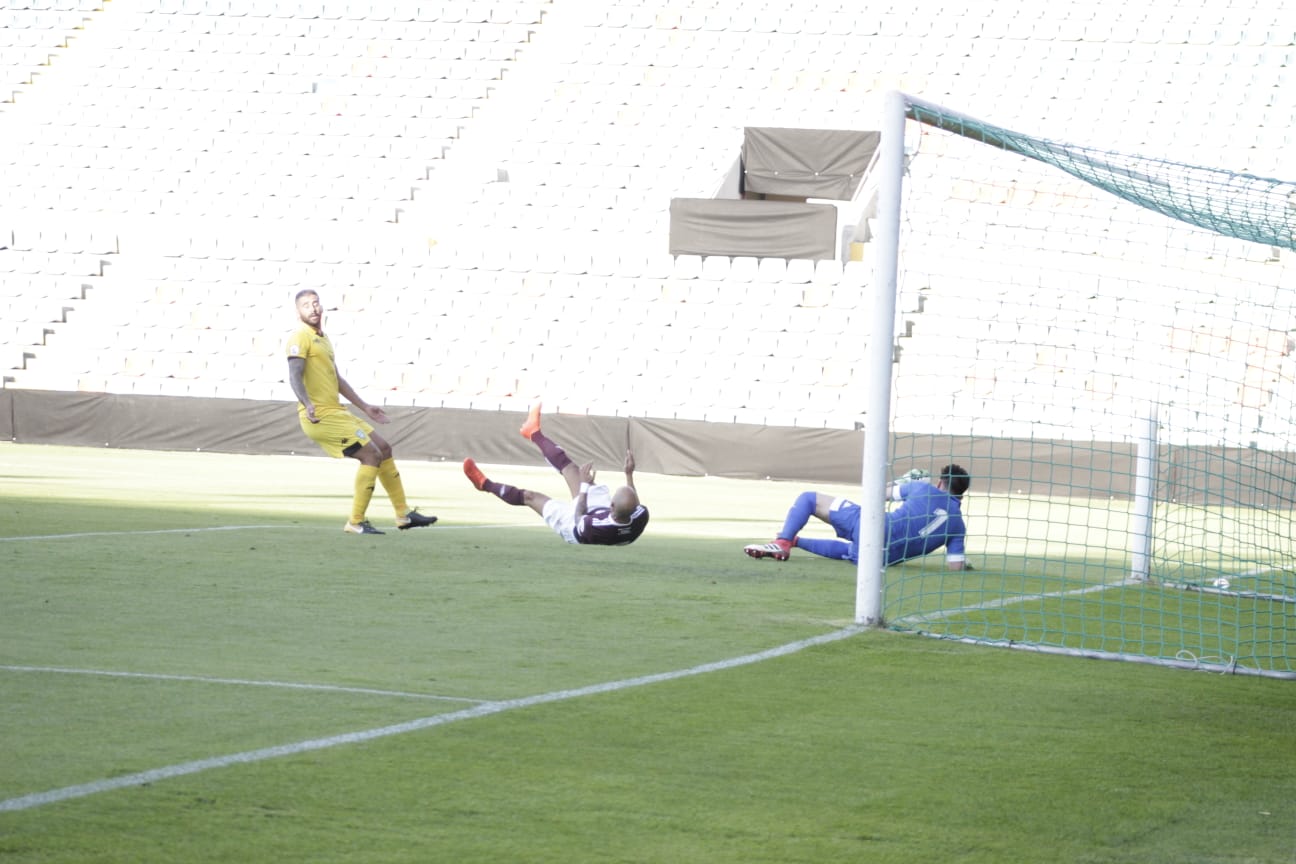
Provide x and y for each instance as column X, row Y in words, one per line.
column 1105, row 341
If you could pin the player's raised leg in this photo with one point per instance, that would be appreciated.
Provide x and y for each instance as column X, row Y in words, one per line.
column 508, row 494
column 532, row 423
column 553, row 454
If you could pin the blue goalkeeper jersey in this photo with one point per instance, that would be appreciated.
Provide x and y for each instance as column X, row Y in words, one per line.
column 927, row 519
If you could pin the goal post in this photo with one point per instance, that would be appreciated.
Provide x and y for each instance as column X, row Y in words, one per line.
column 875, row 472
column 1141, row 510
column 1105, row 341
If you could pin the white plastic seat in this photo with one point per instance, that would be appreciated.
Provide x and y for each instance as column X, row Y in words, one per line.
column 743, row 268
column 828, row 271
column 855, row 272
column 604, row 263
column 771, row 270
column 575, row 262
column 715, row 268
column 687, row 266
column 799, row 270
column 658, row 265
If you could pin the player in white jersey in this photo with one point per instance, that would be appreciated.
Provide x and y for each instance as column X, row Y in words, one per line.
column 595, row 515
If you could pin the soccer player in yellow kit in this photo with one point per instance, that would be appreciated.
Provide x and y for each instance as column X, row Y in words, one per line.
column 315, row 380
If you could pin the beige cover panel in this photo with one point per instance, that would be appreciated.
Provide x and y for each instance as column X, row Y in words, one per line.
column 806, row 163
column 764, row 229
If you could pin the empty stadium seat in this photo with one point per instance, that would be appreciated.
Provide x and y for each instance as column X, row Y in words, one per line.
column 687, row 267
column 771, row 270
column 249, row 125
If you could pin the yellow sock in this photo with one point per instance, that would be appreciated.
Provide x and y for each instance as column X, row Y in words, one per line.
column 364, row 489
column 391, row 481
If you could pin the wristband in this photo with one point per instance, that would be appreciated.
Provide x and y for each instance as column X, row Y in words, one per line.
column 584, row 488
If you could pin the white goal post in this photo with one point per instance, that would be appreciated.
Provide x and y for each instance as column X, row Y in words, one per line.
column 1107, row 342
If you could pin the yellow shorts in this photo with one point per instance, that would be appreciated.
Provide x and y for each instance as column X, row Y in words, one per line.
column 336, row 432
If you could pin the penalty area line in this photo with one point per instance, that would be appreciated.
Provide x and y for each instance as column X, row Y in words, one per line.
column 83, row 534
column 243, row 682
column 156, row 531
column 486, row 709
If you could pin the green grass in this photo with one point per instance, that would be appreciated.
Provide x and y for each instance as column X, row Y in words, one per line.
column 877, row 747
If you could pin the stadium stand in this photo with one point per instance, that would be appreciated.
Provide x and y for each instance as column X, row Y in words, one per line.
column 483, row 188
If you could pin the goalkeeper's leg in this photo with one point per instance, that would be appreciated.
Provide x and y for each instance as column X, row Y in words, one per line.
column 838, row 549
column 806, row 505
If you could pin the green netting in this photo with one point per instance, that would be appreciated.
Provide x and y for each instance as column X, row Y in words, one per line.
column 1053, row 298
column 1243, row 206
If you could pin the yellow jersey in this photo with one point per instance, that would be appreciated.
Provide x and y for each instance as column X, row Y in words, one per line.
column 320, row 374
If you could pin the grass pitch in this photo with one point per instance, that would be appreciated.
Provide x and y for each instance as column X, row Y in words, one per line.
column 196, row 664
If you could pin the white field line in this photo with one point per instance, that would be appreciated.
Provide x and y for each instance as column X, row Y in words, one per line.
column 922, row 617
column 242, row 682
column 83, row 534
column 1259, row 571
column 485, row 709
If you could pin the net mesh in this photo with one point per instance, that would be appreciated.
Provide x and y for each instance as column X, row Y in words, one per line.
column 1053, row 297
column 1237, row 205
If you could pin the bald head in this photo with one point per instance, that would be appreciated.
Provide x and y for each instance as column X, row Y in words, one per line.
column 624, row 502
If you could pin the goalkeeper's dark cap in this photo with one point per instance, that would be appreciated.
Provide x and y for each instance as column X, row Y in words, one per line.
column 957, row 480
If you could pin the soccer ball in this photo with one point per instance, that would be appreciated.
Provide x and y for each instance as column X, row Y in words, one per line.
column 915, row 474
column 1221, row 583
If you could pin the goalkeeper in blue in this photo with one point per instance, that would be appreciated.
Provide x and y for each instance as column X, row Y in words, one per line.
column 929, row 516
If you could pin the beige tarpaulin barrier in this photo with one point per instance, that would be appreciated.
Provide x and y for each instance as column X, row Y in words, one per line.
column 781, row 168
column 806, row 163
column 763, row 229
